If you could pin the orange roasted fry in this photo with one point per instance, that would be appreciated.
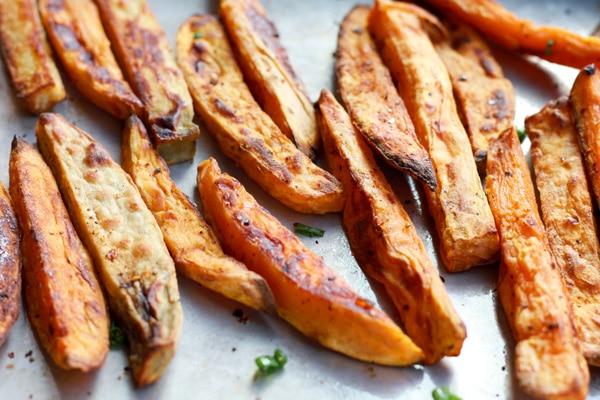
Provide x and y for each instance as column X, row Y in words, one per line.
column 384, row 240
column 309, row 295
column 567, row 211
column 517, row 34
column 373, row 102
column 549, row 363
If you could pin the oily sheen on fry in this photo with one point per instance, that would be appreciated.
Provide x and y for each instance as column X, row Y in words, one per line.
column 308, row 294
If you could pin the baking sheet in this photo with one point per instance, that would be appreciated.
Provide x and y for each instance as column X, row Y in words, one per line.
column 217, row 349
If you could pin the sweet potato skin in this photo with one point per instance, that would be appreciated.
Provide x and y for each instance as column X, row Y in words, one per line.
column 372, row 101
column 192, row 243
column 459, row 207
column 78, row 38
column 10, row 265
column 269, row 73
column 384, row 240
column 244, row 132
column 549, row 363
column 308, row 294
column 62, row 296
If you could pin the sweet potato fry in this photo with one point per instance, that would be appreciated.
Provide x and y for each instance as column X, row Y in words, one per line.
column 372, row 100
column 124, row 240
column 28, row 56
column 62, row 296
column 10, row 265
column 191, row 241
column 548, row 359
column 309, row 295
column 459, row 207
column 517, row 34
column 384, row 240
column 567, row 212
column 76, row 34
column 485, row 98
column 143, row 51
column 242, row 130
column 269, row 73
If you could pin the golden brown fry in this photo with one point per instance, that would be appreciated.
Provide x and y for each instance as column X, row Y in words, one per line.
column 548, row 359
column 144, row 53
column 567, row 211
column 269, row 73
column 464, row 222
column 10, row 265
column 506, row 29
column 28, row 57
column 308, row 294
column 76, row 33
column 62, row 296
column 485, row 98
column 191, row 241
column 243, row 131
column 124, row 241
column 384, row 240
column 373, row 102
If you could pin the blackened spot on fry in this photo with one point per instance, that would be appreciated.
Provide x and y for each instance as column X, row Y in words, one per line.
column 590, row 69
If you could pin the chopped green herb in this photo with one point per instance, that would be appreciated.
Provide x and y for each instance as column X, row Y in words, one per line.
column 306, row 230
column 116, row 336
column 522, row 134
column 549, row 45
column 444, row 393
column 198, row 35
column 268, row 365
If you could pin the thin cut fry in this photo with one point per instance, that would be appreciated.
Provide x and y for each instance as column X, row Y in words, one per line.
column 62, row 296
column 242, row 130
column 384, row 240
column 517, row 34
column 372, row 100
column 28, row 57
column 191, row 241
column 459, row 207
column 269, row 73
column 548, row 359
column 309, row 295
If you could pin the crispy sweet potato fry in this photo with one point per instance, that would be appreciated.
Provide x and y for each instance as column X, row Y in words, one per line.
column 459, row 206
column 372, row 100
column 124, row 240
column 28, row 56
column 506, row 29
column 76, row 34
column 567, row 211
column 384, row 240
column 548, row 359
column 10, row 265
column 309, row 295
column 191, row 241
column 143, row 51
column 242, row 130
column 62, row 296
column 269, row 73
column 485, row 98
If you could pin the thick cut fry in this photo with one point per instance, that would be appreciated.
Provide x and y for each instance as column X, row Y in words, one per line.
column 28, row 57
column 76, row 33
column 309, row 295
column 373, row 102
column 548, row 359
column 191, row 241
column 459, row 206
column 384, row 240
column 144, row 53
column 10, row 265
column 506, row 29
column 62, row 296
column 243, row 131
column 485, row 98
column 124, row 241
column 567, row 211
column 269, row 73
